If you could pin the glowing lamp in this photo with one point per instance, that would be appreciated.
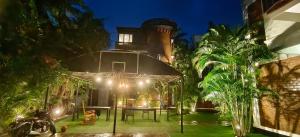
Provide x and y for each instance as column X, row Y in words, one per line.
column 57, row 111
column 126, row 86
column 98, row 79
column 148, row 81
column 19, row 117
column 109, row 82
column 141, row 83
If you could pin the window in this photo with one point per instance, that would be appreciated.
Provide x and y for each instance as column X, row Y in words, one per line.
column 125, row 38
column 118, row 66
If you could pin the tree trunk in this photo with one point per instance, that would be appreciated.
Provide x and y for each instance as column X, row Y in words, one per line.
column 242, row 118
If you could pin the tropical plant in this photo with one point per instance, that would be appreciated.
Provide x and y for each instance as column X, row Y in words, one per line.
column 232, row 80
column 37, row 39
column 183, row 63
column 161, row 89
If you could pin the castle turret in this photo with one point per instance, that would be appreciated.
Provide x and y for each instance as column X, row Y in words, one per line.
column 158, row 37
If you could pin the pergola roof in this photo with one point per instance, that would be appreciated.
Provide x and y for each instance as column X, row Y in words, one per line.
column 131, row 64
column 137, row 64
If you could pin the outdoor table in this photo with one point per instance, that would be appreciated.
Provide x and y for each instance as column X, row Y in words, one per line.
column 139, row 109
column 101, row 108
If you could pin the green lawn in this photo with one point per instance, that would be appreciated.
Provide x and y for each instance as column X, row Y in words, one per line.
column 207, row 126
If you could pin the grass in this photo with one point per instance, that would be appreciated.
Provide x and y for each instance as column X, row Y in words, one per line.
column 207, row 126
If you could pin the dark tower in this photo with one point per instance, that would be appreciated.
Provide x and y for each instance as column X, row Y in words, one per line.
column 158, row 34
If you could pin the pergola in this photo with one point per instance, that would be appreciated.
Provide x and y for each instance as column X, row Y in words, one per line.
column 132, row 65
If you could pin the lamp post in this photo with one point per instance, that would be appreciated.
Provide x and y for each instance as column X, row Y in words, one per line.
column 181, row 104
column 75, row 103
column 46, row 98
column 122, row 84
column 109, row 83
column 115, row 115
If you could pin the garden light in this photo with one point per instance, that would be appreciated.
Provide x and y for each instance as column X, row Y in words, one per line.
column 19, row 117
column 238, row 127
column 139, row 135
column 193, row 109
column 120, row 103
column 24, row 83
column 57, row 111
column 123, row 85
column 248, row 36
column 145, row 103
column 141, row 83
column 148, row 81
column 98, row 79
column 172, row 58
column 126, row 86
column 109, row 82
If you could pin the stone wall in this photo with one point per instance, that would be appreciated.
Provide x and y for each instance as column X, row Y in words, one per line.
column 282, row 110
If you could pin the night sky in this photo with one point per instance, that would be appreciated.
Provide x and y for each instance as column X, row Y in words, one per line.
column 192, row 16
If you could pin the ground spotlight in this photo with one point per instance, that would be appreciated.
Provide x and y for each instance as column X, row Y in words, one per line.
column 57, row 111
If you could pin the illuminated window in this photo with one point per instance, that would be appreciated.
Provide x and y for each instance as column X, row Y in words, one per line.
column 125, row 38
column 121, row 37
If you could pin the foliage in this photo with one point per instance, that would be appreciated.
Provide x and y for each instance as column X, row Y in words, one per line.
column 22, row 86
column 183, row 63
column 232, row 80
column 161, row 89
column 37, row 39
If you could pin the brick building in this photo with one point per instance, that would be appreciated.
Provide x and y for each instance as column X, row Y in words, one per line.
column 281, row 20
column 153, row 37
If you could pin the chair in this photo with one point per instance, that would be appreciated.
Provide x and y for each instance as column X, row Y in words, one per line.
column 129, row 113
column 145, row 111
column 89, row 117
column 169, row 110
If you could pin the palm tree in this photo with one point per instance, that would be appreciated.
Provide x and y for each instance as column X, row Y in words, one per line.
column 232, row 80
column 182, row 63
